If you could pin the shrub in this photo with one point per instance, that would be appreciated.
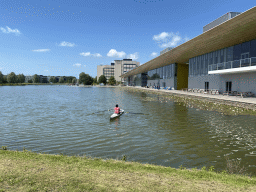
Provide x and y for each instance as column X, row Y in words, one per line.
column 233, row 167
column 4, row 147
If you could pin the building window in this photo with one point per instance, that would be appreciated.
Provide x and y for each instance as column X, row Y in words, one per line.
column 128, row 67
column 245, row 55
column 108, row 72
column 229, row 86
column 206, row 86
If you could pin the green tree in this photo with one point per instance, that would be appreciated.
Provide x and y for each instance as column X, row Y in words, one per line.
column 69, row 79
column 85, row 79
column 112, row 80
column 1, row 77
column 36, row 78
column 102, row 79
column 52, row 79
column 74, row 80
column 21, row 78
column 61, row 80
column 30, row 81
column 95, row 80
column 11, row 78
column 5, row 79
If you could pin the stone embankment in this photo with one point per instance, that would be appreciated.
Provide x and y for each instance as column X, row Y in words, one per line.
column 204, row 101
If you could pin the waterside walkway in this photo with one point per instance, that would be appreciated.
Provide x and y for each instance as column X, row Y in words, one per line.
column 248, row 103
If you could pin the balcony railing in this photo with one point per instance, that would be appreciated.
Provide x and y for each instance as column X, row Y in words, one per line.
column 233, row 64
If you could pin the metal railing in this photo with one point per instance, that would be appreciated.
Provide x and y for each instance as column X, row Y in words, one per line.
column 233, row 64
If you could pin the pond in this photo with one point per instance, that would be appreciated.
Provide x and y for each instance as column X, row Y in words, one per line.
column 76, row 121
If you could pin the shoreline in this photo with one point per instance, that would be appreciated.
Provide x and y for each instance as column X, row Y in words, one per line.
column 227, row 105
column 29, row 171
column 222, row 104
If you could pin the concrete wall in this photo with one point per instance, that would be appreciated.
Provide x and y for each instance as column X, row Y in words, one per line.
column 199, row 82
column 241, row 82
column 99, row 71
column 118, row 70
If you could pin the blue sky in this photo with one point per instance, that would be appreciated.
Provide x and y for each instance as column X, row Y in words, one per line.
column 64, row 37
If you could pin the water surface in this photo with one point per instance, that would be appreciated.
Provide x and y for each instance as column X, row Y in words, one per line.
column 75, row 121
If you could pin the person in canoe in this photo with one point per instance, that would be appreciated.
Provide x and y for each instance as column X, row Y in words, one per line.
column 117, row 109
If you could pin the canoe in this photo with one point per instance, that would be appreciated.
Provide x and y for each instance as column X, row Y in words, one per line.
column 115, row 115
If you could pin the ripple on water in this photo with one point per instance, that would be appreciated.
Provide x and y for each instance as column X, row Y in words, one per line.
column 59, row 119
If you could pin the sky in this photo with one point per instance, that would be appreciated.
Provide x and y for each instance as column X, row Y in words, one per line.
column 65, row 38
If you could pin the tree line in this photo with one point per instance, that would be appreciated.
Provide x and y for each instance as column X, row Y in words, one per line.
column 13, row 78
column 85, row 79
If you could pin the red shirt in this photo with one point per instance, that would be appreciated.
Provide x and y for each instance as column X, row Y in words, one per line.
column 117, row 110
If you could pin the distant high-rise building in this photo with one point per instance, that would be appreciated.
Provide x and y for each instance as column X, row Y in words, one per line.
column 116, row 69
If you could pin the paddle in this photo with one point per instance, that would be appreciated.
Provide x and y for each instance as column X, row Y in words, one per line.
column 101, row 111
column 135, row 113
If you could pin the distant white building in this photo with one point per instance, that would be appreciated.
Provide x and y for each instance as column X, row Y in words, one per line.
column 42, row 78
column 28, row 77
column 116, row 69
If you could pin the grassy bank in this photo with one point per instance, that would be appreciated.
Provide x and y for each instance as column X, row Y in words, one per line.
column 27, row 171
column 207, row 104
column 14, row 84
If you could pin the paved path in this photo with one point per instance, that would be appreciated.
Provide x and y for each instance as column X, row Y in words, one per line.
column 239, row 100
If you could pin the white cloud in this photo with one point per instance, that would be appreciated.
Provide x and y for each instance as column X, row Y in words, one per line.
column 66, row 44
column 89, row 54
column 77, row 65
column 114, row 53
column 85, row 54
column 154, row 54
column 133, row 56
column 161, row 36
column 9, row 30
column 41, row 50
column 171, row 39
column 173, row 42
column 96, row 55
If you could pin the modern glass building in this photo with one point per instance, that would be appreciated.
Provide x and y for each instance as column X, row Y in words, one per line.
column 223, row 58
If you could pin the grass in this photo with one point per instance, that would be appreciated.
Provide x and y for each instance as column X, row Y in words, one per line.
column 28, row 171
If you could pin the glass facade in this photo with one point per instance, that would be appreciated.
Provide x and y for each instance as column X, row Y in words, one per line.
column 165, row 72
column 137, row 80
column 240, row 55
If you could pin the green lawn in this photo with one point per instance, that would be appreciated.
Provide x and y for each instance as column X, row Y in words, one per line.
column 28, row 171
